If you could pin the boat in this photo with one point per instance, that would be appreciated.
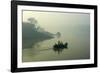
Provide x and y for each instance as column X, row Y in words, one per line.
column 60, row 45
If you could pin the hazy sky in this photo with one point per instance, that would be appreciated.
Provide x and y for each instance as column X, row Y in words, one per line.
column 58, row 21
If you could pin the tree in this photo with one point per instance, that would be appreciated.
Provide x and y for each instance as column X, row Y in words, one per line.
column 58, row 34
column 32, row 20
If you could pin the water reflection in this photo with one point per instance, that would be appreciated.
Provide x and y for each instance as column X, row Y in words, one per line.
column 31, row 43
column 59, row 47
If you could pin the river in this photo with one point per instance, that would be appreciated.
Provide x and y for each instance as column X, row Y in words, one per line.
column 78, row 48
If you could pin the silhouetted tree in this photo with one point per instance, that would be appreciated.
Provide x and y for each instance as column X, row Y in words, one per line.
column 58, row 34
column 32, row 20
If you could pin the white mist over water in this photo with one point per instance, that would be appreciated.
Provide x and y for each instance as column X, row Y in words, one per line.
column 74, row 29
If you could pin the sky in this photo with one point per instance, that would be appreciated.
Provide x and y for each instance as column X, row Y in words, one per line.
column 58, row 21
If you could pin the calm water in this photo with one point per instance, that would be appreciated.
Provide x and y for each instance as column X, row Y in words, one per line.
column 78, row 48
column 38, row 29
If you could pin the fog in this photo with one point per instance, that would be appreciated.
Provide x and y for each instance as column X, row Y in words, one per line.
column 41, row 30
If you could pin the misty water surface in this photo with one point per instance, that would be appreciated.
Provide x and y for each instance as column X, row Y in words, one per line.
column 40, row 48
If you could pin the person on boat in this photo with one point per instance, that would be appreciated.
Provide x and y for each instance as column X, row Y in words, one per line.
column 60, row 45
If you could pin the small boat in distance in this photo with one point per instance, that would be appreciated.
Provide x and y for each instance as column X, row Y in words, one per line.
column 60, row 45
